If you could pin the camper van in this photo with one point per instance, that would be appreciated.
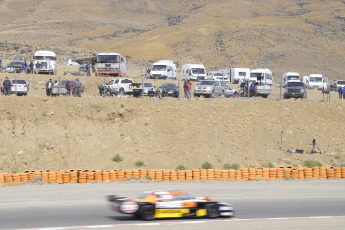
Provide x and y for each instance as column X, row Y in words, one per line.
column 47, row 59
column 290, row 77
column 113, row 64
column 261, row 75
column 163, row 69
column 217, row 75
column 193, row 71
column 315, row 81
column 237, row 74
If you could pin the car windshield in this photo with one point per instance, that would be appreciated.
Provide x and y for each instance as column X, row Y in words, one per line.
column 147, row 85
column 19, row 81
column 198, row 71
column 206, row 83
column 159, row 67
column 217, row 74
column 108, row 58
column 126, row 81
column 257, row 76
column 39, row 58
column 110, row 82
column 289, row 78
column 315, row 79
column 341, row 82
column 295, row 84
column 169, row 86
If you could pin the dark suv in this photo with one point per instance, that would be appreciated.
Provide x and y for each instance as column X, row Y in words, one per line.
column 295, row 90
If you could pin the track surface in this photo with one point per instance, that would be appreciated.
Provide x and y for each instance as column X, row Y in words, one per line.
column 53, row 206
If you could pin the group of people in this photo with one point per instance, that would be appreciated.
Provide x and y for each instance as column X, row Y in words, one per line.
column 341, row 91
column 158, row 93
column 187, row 86
column 72, row 87
column 28, row 68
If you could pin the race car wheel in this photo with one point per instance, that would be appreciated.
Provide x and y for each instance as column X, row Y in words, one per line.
column 147, row 212
column 212, row 211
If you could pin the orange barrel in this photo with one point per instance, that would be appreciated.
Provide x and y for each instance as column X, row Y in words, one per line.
column 166, row 175
column 128, row 174
column 173, row 175
column 224, row 174
column 112, row 175
column 232, row 174
column 238, row 175
column 181, row 175
column 120, row 175
column 245, row 174
column 342, row 172
column 252, row 174
column 323, row 173
column 330, row 172
column 337, row 172
column 273, row 174
column 203, row 174
column 136, row 173
column 266, row 173
column 90, row 176
column 294, row 173
column 106, row 176
column 280, row 173
column 196, row 174
column 65, row 177
column 287, row 171
column 73, row 176
column 31, row 176
column 159, row 175
column 217, row 174
column 143, row 173
column 45, row 176
column 316, row 172
column 59, row 178
column 16, row 177
column 189, row 175
column 82, row 177
column 308, row 173
column 52, row 177
column 300, row 173
column 98, row 176
column 8, row 178
column 2, row 178
column 210, row 174
column 151, row 174
column 23, row 177
column 259, row 172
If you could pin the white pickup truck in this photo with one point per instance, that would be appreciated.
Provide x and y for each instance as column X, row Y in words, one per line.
column 121, row 85
column 261, row 89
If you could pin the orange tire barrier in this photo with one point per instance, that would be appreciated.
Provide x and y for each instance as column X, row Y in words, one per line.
column 323, row 173
column 8, row 178
column 166, row 175
column 90, row 177
column 106, row 176
column 232, row 174
column 23, row 177
column 98, row 176
column 73, row 176
column 210, row 174
column 82, row 177
column 203, row 174
column 330, row 173
column 342, row 172
column 196, row 174
column 151, row 174
column 128, row 174
column 316, row 172
column 300, row 173
column 294, row 173
column 217, row 174
column 65, row 177
column 273, row 174
column 337, row 172
column 120, row 175
column 280, row 173
column 16, row 177
column 266, row 173
column 143, row 173
column 287, row 172
column 45, row 176
column 159, row 175
column 252, row 174
column 181, row 175
column 136, row 174
column 173, row 175
column 259, row 172
column 245, row 174
column 2, row 178
column 52, row 177
column 308, row 173
column 59, row 178
column 112, row 175
column 189, row 175
column 238, row 175
column 225, row 174
column 31, row 176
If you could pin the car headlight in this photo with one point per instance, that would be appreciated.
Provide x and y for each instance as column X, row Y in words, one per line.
column 302, row 90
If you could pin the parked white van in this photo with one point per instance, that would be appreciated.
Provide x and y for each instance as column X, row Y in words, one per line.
column 163, row 69
column 290, row 77
column 217, row 75
column 47, row 59
column 261, row 75
column 193, row 71
column 316, row 81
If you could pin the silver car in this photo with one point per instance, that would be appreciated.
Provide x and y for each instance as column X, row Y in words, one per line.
column 208, row 88
column 20, row 86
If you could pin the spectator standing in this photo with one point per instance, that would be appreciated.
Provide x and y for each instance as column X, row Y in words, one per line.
column 77, row 87
column 340, row 91
column 37, row 67
column 252, row 89
column 68, row 89
column 93, row 64
column 7, row 87
column 49, row 85
column 189, row 91
column 31, row 67
column 25, row 66
column 185, row 88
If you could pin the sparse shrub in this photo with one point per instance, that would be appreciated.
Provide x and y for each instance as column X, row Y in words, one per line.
column 181, row 167
column 312, row 163
column 342, row 165
column 148, row 177
column 117, row 158
column 14, row 171
column 206, row 165
column 231, row 166
column 268, row 165
column 139, row 163
column 122, row 106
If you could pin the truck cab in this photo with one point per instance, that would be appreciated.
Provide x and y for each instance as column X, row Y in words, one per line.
column 290, row 77
column 317, row 81
column 163, row 69
column 47, row 60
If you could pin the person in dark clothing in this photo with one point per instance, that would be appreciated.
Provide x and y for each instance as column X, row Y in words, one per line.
column 151, row 93
column 252, row 89
column 77, row 88
column 7, row 87
column 340, row 91
column 185, row 88
column 49, row 87
column 31, row 67
column 68, row 89
column 93, row 64
column 164, row 93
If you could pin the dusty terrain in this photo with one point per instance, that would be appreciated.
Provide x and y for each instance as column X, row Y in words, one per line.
column 63, row 133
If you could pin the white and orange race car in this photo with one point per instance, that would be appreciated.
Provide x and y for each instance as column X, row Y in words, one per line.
column 170, row 204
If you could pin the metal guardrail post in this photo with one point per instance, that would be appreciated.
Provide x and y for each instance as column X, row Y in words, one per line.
column 15, row 86
column 178, row 83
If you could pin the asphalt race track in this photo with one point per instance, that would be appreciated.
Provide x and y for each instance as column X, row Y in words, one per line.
column 262, row 203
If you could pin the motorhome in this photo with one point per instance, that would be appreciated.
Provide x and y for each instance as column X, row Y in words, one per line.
column 262, row 76
column 47, row 60
column 237, row 74
column 193, row 71
column 163, row 69
column 113, row 64
column 315, row 81
column 290, row 77
column 217, row 75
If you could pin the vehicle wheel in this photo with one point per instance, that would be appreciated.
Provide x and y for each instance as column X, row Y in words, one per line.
column 285, row 97
column 212, row 211
column 122, row 91
column 265, row 96
column 212, row 94
column 147, row 212
column 235, row 95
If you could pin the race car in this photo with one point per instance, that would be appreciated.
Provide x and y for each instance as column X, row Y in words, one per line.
column 170, row 204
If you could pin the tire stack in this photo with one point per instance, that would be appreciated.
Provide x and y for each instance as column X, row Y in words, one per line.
column 308, row 173
column 225, row 174
column 31, row 176
column 337, row 172
column 143, row 173
column 343, row 172
column 259, row 173
column 73, row 176
column 136, row 174
column 323, row 173
column 217, row 174
column 128, row 174
column 245, row 174
column 181, row 175
column 273, row 174
column 120, row 175
column 203, row 174
column 152, row 174
column 210, row 174
column 300, row 173
column 189, row 175
column 280, row 173
column 106, row 176
column 294, row 173
column 90, row 176
column 45, row 175
column 59, row 178
column 252, row 174
column 166, row 175
column 65, row 177
column 266, row 173
column 287, row 172
column 196, row 174
column 159, row 175
column 173, row 175
column 238, row 175
column 330, row 173
column 24, row 176
column 232, row 174
column 82, row 177
column 2, row 178
column 316, row 172
column 8, row 178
